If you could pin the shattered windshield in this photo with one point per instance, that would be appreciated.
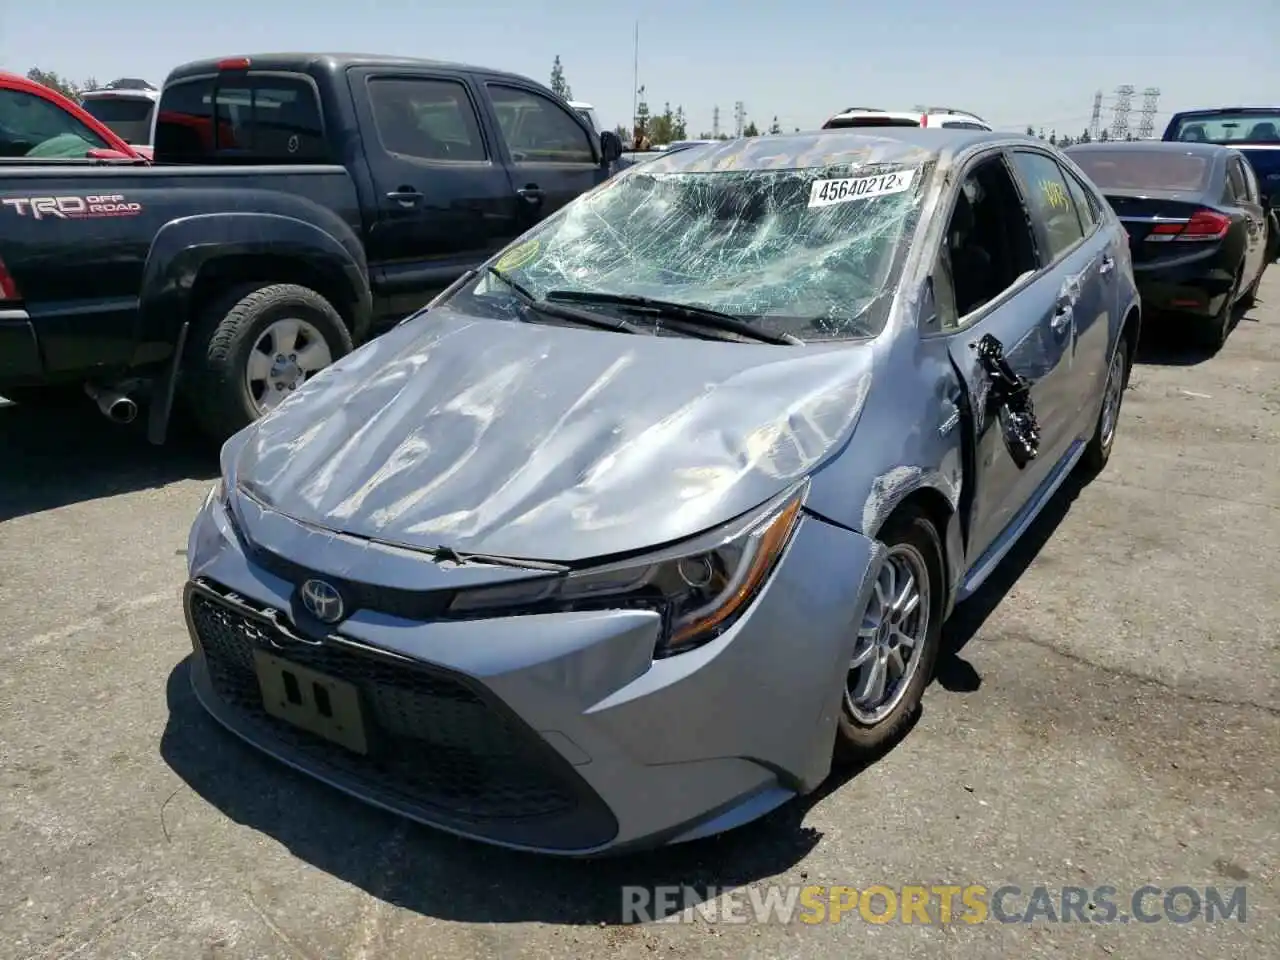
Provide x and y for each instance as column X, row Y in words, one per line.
column 809, row 252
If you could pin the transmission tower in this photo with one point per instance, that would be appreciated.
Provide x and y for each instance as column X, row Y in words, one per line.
column 1147, row 125
column 739, row 118
column 715, row 124
column 1095, row 119
column 1120, row 112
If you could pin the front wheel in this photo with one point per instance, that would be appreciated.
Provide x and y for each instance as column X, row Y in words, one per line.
column 254, row 348
column 897, row 642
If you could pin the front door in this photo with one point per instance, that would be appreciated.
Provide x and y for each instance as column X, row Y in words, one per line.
column 999, row 301
column 554, row 158
column 444, row 203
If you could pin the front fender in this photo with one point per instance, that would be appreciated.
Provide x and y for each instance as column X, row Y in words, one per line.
column 183, row 247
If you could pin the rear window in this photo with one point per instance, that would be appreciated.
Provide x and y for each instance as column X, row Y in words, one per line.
column 128, row 117
column 1229, row 128
column 1144, row 169
column 240, row 118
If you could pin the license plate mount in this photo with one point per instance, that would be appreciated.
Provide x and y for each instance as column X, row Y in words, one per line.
column 311, row 701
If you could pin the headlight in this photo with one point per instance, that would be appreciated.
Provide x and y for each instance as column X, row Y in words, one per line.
column 700, row 586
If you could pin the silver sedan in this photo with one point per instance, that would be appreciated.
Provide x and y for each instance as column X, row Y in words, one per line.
column 633, row 532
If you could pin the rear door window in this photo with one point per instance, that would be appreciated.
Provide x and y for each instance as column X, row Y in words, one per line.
column 263, row 118
column 1086, row 205
column 426, row 119
column 1049, row 199
column 1236, row 189
column 31, row 126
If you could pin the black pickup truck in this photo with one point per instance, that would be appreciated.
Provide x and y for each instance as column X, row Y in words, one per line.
column 298, row 203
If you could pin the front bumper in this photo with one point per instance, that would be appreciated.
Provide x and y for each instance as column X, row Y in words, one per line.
column 552, row 733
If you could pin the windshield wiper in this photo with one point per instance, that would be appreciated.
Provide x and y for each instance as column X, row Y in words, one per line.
column 561, row 312
column 698, row 317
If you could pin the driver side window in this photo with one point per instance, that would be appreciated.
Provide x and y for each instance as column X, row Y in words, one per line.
column 31, row 126
column 537, row 130
column 988, row 245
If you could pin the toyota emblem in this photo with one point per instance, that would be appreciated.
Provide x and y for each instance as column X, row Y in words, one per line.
column 322, row 600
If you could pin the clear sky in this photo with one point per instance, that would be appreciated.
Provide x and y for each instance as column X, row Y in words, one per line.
column 1014, row 62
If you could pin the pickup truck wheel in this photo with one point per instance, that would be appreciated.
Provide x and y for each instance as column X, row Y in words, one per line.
column 255, row 347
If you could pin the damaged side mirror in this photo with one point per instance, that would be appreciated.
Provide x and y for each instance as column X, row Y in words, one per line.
column 1010, row 398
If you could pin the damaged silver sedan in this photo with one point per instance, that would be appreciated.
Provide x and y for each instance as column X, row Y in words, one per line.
column 632, row 531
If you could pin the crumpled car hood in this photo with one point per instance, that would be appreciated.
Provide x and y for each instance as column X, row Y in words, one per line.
column 546, row 442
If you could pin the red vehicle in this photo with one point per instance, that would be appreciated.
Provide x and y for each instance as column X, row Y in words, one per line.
column 37, row 123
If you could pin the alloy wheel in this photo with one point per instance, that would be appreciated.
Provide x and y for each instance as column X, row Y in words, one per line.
column 891, row 637
column 288, row 353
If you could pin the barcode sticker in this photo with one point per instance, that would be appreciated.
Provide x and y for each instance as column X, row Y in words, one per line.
column 827, row 192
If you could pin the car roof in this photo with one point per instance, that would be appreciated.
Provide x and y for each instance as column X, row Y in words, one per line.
column 1194, row 147
column 1214, row 111
column 119, row 94
column 858, row 146
column 315, row 63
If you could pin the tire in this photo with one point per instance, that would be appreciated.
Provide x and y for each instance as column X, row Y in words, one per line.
column 235, row 327
column 913, row 543
column 1098, row 451
column 1212, row 335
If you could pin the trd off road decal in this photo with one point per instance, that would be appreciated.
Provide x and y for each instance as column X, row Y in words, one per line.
column 72, row 208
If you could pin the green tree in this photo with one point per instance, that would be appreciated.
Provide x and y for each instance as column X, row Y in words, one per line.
column 751, row 130
column 662, row 128
column 1085, row 137
column 1031, row 131
column 1053, row 137
column 680, row 126
column 1104, row 135
column 775, row 127
column 642, row 119
column 558, row 84
column 54, row 82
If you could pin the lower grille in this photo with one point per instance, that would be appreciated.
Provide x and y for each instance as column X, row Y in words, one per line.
column 441, row 749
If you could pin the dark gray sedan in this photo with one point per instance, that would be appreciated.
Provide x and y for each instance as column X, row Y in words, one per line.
column 631, row 532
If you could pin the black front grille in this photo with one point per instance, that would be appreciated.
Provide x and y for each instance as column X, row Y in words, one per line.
column 441, row 749
column 408, row 604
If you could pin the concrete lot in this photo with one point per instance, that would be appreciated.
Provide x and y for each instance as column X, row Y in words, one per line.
column 1109, row 714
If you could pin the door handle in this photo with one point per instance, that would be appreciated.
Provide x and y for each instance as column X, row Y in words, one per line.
column 532, row 194
column 1108, row 264
column 1061, row 315
column 407, row 197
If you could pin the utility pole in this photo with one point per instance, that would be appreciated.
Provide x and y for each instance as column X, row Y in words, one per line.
column 1120, row 112
column 1095, row 119
column 715, row 123
column 739, row 118
column 1147, row 125
column 635, row 77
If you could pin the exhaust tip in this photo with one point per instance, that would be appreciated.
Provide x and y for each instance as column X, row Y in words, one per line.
column 123, row 410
